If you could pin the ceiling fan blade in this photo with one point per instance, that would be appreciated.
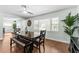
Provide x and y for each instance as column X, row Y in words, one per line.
column 30, row 12
column 23, row 6
column 26, row 9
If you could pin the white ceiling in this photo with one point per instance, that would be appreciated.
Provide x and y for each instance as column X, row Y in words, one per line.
column 17, row 10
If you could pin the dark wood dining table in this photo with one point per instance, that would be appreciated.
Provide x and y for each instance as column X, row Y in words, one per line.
column 24, row 41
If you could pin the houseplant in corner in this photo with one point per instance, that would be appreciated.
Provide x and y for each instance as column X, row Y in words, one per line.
column 14, row 26
column 70, row 25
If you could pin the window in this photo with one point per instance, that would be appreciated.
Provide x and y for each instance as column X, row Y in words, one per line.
column 44, row 24
column 36, row 25
column 7, row 24
column 47, row 24
column 55, row 23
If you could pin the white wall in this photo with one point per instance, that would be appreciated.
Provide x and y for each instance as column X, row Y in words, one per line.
column 60, row 35
column 1, row 27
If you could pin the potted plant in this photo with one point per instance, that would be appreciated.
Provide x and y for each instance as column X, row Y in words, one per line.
column 14, row 26
column 70, row 24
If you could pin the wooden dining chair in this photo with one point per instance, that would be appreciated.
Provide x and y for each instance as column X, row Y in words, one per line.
column 40, row 40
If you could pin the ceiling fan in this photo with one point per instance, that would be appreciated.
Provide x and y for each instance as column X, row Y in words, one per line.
column 25, row 9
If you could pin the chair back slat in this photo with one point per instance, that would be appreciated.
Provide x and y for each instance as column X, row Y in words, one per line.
column 42, row 35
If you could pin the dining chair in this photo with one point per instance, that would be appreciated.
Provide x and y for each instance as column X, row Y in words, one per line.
column 40, row 40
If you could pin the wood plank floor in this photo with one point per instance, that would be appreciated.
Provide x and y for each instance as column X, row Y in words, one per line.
column 50, row 46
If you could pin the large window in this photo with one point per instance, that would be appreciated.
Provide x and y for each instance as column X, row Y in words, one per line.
column 55, row 23
column 44, row 24
column 36, row 25
column 47, row 24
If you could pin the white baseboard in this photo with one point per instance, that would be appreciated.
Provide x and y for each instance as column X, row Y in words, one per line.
column 59, row 40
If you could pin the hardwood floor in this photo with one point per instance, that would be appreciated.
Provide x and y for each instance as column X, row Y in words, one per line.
column 55, row 46
column 50, row 46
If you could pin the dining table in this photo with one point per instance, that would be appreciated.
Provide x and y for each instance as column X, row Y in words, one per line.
column 24, row 42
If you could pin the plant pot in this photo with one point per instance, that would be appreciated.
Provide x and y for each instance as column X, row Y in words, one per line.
column 75, row 39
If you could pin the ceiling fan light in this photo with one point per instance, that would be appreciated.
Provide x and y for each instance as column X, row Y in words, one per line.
column 24, row 8
column 25, row 12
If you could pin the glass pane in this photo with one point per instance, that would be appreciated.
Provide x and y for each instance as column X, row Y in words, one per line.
column 44, row 24
column 55, row 22
column 36, row 25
